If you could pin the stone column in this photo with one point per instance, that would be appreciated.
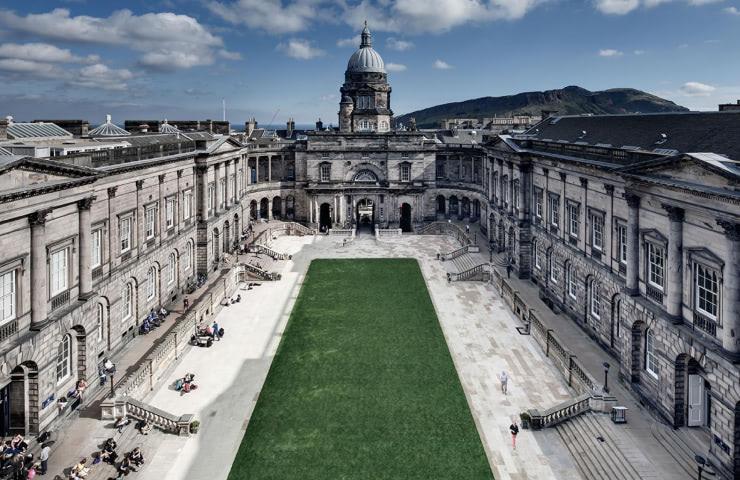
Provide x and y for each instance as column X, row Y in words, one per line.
column 257, row 169
column 201, row 181
column 633, row 244
column 269, row 169
column 523, row 190
column 510, row 207
column 216, row 190
column 39, row 289
column 269, row 208
column 85, row 250
column 500, row 184
column 310, row 209
column 674, row 280
column 731, row 289
column 227, row 164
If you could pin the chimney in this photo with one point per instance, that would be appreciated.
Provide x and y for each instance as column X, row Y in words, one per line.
column 291, row 127
column 319, row 125
column 144, row 128
column 84, row 128
column 250, row 126
column 4, row 129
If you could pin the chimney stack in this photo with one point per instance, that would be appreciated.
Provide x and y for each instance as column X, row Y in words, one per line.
column 4, row 128
column 319, row 125
column 291, row 128
column 250, row 126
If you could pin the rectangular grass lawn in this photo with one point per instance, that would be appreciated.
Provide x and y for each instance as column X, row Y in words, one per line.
column 363, row 385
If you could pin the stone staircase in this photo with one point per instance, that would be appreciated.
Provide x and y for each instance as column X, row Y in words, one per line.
column 465, row 262
column 595, row 449
column 681, row 452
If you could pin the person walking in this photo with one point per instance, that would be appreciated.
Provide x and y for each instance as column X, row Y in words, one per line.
column 44, row 458
column 504, row 378
column 214, row 327
column 508, row 270
column 514, row 429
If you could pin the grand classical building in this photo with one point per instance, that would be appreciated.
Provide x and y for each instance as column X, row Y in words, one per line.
column 629, row 224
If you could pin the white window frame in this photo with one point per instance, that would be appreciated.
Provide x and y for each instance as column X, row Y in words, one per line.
column 101, row 321
column 96, row 247
column 169, row 212
column 64, row 359
column 187, row 204
column 538, row 196
column 699, row 287
column 554, row 270
column 574, row 218
column 128, row 301
column 8, row 296
column 151, row 284
column 622, row 242
column 325, row 172
column 150, row 222
column 570, row 282
column 59, row 271
column 653, row 267
column 406, row 173
column 536, row 256
column 594, row 300
column 211, row 195
column 554, row 207
column 188, row 256
column 125, row 233
column 651, row 361
column 172, row 269
column 597, row 232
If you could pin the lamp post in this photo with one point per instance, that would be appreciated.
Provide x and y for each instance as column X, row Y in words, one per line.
column 700, row 462
column 112, row 382
column 606, row 377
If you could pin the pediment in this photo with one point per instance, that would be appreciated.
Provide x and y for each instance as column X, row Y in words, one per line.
column 224, row 146
column 689, row 170
column 29, row 173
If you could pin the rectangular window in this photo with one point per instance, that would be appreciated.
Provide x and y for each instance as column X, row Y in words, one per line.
column 651, row 363
column 325, row 172
column 595, row 300
column 96, row 256
column 570, row 282
column 187, row 203
column 622, row 243
column 211, row 196
column 554, row 270
column 706, row 288
column 597, row 232
column 554, row 206
column 656, row 265
column 169, row 212
column 405, row 173
column 515, row 192
column 125, row 233
column 536, row 255
column 59, row 271
column 574, row 219
column 7, row 296
column 150, row 222
column 538, row 203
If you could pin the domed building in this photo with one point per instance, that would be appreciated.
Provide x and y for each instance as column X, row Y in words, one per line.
column 366, row 95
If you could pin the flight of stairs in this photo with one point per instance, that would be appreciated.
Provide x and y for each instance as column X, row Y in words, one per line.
column 594, row 449
column 682, row 453
column 465, row 262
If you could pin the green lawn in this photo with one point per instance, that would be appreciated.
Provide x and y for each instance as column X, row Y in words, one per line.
column 363, row 386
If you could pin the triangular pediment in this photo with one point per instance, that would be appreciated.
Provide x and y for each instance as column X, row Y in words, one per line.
column 29, row 173
column 224, row 145
column 702, row 169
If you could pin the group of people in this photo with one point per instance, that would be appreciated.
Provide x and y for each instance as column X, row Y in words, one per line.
column 131, row 461
column 153, row 320
column 185, row 384
column 106, row 368
column 17, row 462
column 214, row 331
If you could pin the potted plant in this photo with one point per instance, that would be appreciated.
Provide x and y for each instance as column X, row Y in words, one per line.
column 525, row 419
column 194, row 426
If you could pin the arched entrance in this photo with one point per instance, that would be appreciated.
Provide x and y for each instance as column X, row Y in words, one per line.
column 440, row 204
column 277, row 207
column 405, row 223
column 453, row 205
column 253, row 209
column 365, row 212
column 20, row 402
column 264, row 207
column 693, row 401
column 290, row 207
column 465, row 211
column 325, row 217
column 476, row 209
column 227, row 237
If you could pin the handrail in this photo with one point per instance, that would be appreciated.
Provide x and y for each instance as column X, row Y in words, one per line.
column 454, row 254
column 445, row 228
column 263, row 274
column 561, row 412
column 264, row 249
column 129, row 407
column 484, row 270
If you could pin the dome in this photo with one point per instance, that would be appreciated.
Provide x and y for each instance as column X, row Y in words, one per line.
column 108, row 129
column 366, row 59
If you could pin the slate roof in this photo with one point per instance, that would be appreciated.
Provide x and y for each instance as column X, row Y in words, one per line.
column 36, row 130
column 669, row 133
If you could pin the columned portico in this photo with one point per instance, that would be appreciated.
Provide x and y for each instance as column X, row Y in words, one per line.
column 675, row 272
column 39, row 292
column 216, row 189
column 633, row 243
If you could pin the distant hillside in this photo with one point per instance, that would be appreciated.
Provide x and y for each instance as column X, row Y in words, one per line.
column 567, row 101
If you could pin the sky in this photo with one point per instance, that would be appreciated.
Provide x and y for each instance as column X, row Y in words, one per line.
column 275, row 59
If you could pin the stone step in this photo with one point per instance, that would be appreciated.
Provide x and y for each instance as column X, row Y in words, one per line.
column 622, row 463
column 678, row 449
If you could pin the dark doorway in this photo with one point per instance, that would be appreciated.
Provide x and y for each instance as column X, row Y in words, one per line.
column 365, row 212
column 441, row 204
column 406, row 217
column 253, row 209
column 264, row 207
column 325, row 217
column 277, row 206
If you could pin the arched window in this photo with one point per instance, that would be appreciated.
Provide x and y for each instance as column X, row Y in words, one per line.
column 570, row 281
column 536, row 255
column 171, row 268
column 128, row 301
column 594, row 299
column 187, row 261
column 651, row 361
column 151, row 283
column 64, row 358
column 101, row 320
column 554, row 269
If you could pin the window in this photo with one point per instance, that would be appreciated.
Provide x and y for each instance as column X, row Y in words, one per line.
column 554, row 269
column 7, row 296
column 101, row 320
column 128, row 301
column 594, row 299
column 187, row 203
column 171, row 269
column 96, row 256
column 151, row 283
column 574, row 218
column 570, row 281
column 125, row 233
column 505, row 189
column 325, row 172
column 537, row 203
column 64, row 358
column 211, row 196
column 554, row 206
column 383, row 126
column 706, row 290
column 597, row 232
column 515, row 200
column 169, row 212
column 651, row 362
column 58, row 271
column 150, row 221
column 656, row 265
column 622, row 242
column 405, row 173
column 222, row 200
column 536, row 255
column 188, row 256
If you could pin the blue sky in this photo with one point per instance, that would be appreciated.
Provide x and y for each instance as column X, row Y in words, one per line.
column 179, row 58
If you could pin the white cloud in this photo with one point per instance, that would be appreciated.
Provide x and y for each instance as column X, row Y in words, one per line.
column 42, row 52
column 623, row 7
column 639, row 52
column 398, row 44
column 168, row 40
column 610, row 52
column 441, row 65
column 300, row 49
column 732, row 10
column 268, row 15
column 349, row 42
column 103, row 77
column 696, row 89
column 29, row 69
column 225, row 54
column 395, row 67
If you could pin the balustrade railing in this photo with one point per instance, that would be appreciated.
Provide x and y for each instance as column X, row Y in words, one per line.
column 454, row 254
column 481, row 272
column 263, row 249
column 8, row 329
column 60, row 300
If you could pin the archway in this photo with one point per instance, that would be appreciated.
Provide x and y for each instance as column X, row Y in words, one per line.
column 20, row 402
column 453, row 205
column 440, row 204
column 253, row 210
column 277, row 207
column 264, row 207
column 698, row 399
column 405, row 223
column 325, row 217
column 465, row 210
column 365, row 212
column 227, row 237
column 290, row 207
column 476, row 209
